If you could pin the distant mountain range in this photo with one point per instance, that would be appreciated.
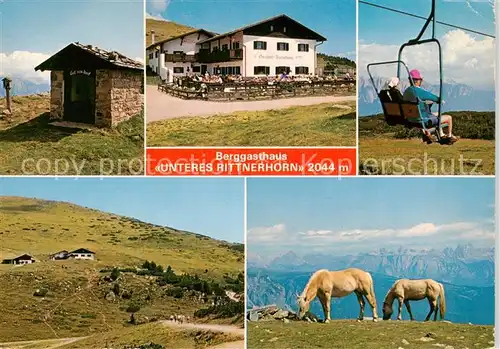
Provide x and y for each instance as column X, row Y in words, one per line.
column 457, row 97
column 464, row 303
column 463, row 265
column 22, row 87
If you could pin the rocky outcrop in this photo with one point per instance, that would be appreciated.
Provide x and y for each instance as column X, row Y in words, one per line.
column 272, row 312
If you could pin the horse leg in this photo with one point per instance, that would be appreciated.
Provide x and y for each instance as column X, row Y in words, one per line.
column 433, row 306
column 407, row 303
column 400, row 308
column 322, row 300
column 361, row 302
column 436, row 310
column 328, row 301
column 371, row 300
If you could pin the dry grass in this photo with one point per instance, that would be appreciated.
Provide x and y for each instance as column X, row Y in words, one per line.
column 386, row 156
column 316, row 125
column 75, row 304
column 164, row 30
column 345, row 334
column 30, row 145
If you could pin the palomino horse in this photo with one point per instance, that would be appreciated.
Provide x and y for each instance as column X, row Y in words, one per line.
column 326, row 284
column 405, row 290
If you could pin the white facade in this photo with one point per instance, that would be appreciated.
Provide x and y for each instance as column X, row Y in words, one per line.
column 24, row 261
column 89, row 256
column 272, row 58
column 186, row 45
column 274, row 53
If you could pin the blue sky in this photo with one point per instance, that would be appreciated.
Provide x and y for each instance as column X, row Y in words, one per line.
column 37, row 29
column 335, row 20
column 360, row 215
column 375, row 24
column 213, row 207
column 467, row 58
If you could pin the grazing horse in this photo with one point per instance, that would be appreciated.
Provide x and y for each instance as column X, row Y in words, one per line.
column 405, row 290
column 172, row 318
column 326, row 284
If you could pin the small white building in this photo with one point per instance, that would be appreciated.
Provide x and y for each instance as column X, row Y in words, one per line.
column 270, row 47
column 82, row 253
column 21, row 260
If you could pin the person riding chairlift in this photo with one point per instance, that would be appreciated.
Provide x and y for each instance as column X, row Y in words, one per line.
column 415, row 92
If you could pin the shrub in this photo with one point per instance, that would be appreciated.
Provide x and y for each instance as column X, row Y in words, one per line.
column 176, row 292
column 41, row 292
column 115, row 274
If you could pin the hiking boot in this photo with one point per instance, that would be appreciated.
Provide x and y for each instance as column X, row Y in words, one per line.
column 427, row 138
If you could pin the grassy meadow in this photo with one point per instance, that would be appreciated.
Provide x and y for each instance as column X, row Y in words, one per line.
column 65, row 151
column 395, row 150
column 316, row 125
column 349, row 334
column 77, row 302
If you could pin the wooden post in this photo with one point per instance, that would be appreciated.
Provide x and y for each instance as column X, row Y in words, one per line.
column 6, row 86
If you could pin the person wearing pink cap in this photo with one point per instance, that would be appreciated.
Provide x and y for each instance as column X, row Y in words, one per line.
column 416, row 93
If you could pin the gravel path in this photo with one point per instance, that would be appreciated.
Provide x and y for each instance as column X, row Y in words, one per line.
column 160, row 106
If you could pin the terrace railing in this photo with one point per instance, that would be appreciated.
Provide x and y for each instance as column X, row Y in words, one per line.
column 205, row 56
column 177, row 57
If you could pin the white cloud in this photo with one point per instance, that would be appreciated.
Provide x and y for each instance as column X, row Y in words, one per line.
column 21, row 64
column 422, row 235
column 157, row 6
column 267, row 234
column 157, row 17
column 139, row 59
column 466, row 59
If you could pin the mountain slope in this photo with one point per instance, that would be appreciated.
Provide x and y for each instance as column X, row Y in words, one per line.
column 75, row 298
column 41, row 227
column 457, row 97
column 463, row 265
column 164, row 29
column 22, row 87
column 464, row 303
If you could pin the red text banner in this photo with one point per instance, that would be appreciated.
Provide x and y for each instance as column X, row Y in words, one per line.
column 251, row 161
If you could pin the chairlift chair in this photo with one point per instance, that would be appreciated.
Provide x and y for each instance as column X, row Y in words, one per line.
column 400, row 112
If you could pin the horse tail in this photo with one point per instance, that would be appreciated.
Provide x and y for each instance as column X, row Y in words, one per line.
column 442, row 302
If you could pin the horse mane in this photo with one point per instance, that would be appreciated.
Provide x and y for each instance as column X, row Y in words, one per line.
column 389, row 293
column 308, row 285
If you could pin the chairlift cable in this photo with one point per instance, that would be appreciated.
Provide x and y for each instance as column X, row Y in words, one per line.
column 422, row 17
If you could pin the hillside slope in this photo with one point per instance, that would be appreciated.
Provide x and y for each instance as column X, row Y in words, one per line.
column 164, row 30
column 74, row 298
column 368, row 335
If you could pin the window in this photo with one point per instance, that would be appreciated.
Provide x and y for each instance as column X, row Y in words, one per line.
column 303, row 48
column 236, row 45
column 197, row 69
column 225, row 47
column 178, row 70
column 272, row 27
column 215, row 49
column 301, row 70
column 284, row 29
column 151, row 56
column 281, row 70
column 156, row 54
column 261, row 70
column 282, row 46
column 260, row 45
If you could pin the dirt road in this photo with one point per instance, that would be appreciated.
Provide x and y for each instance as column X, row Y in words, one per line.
column 160, row 106
column 42, row 344
column 214, row 328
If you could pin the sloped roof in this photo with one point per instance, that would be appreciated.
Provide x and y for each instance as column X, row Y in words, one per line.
column 317, row 36
column 82, row 250
column 211, row 34
column 95, row 57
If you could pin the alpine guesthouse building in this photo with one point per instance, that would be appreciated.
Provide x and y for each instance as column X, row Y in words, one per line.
column 270, row 47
